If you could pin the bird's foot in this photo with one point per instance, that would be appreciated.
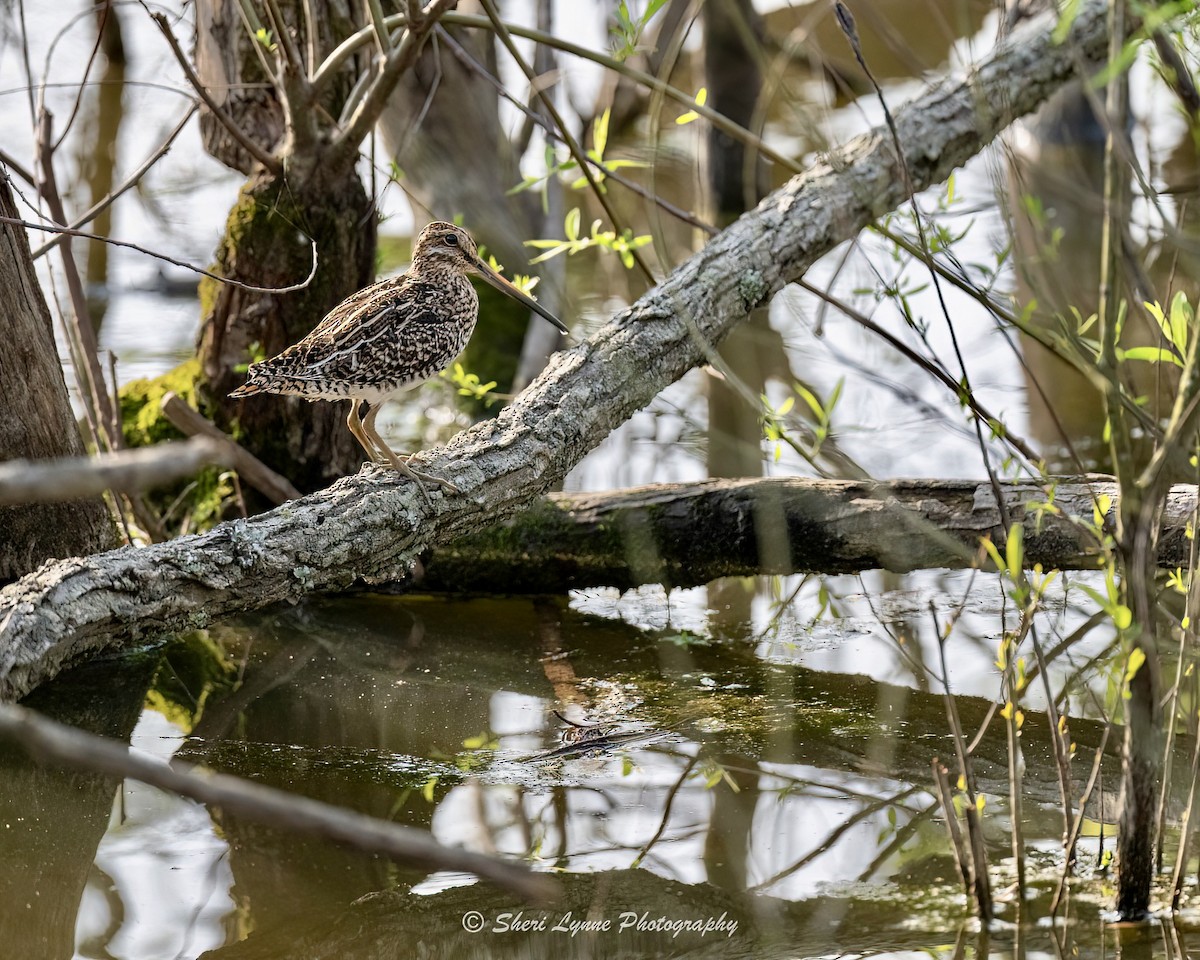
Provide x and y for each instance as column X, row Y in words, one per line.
column 400, row 464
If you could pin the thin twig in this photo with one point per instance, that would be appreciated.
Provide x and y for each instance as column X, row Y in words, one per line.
column 80, row 315
column 739, row 133
column 345, row 145
column 471, row 63
column 16, row 167
column 131, row 181
column 54, row 228
column 577, row 152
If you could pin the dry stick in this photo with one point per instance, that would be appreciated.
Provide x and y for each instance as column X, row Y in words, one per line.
column 267, row 159
column 66, row 746
column 80, row 316
column 67, row 231
column 131, row 181
column 1062, row 757
column 276, row 488
column 75, row 478
column 1015, row 763
column 1074, row 838
column 962, row 855
column 981, row 883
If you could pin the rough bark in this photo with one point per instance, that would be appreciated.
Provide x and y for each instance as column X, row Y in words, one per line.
column 229, row 66
column 372, row 526
column 687, row 534
column 306, row 442
column 37, row 423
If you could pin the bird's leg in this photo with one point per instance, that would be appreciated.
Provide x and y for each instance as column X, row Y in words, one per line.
column 368, row 428
column 354, row 422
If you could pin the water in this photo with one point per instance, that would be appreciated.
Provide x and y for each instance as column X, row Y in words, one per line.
column 750, row 781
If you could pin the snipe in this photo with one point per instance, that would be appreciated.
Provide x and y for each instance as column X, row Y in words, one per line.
column 390, row 337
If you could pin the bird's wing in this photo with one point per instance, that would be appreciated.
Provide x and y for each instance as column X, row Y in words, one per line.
column 379, row 312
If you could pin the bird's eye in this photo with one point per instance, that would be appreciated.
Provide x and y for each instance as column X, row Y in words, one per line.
column 451, row 239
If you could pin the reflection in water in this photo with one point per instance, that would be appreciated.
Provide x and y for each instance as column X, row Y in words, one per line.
column 706, row 776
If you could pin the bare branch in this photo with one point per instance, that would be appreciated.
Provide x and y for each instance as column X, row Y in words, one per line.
column 382, row 36
column 131, row 181
column 46, row 739
column 577, row 152
column 54, row 228
column 739, row 133
column 127, row 471
column 296, row 93
column 92, row 378
column 15, row 166
column 345, row 146
column 256, row 473
column 268, row 160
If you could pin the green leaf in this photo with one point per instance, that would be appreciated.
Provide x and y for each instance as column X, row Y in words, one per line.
column 600, row 134
column 1014, row 550
column 1153, row 355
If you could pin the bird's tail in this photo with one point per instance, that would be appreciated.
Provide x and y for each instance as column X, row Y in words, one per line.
column 247, row 389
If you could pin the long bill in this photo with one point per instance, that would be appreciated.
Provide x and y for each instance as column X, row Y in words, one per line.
column 504, row 286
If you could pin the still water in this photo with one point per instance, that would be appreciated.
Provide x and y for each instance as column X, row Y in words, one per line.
column 746, row 785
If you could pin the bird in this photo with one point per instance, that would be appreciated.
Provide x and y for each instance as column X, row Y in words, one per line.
column 389, row 338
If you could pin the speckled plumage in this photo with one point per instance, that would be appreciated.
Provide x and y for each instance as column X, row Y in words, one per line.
column 389, row 337
column 383, row 340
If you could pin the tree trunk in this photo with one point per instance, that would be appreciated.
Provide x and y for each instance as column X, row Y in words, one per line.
column 38, row 422
column 266, row 243
column 373, row 526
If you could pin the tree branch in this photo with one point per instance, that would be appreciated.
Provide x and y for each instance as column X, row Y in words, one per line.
column 76, row 478
column 277, row 488
column 78, row 750
column 371, row 527
column 687, row 534
column 267, row 159
column 402, row 56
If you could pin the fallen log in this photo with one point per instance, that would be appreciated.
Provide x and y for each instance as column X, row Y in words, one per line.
column 371, row 527
column 686, row 534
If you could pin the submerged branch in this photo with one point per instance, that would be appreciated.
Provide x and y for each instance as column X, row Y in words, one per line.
column 77, row 750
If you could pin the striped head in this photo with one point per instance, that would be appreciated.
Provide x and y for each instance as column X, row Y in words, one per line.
column 442, row 247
